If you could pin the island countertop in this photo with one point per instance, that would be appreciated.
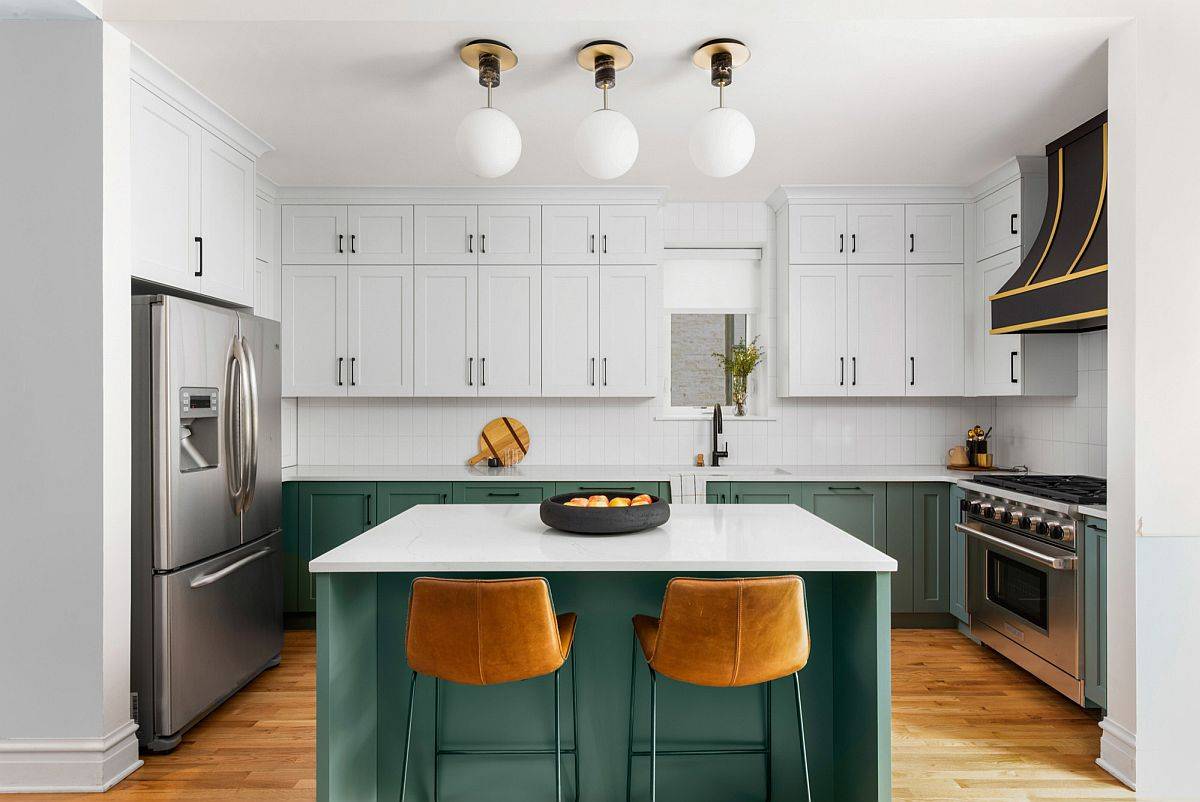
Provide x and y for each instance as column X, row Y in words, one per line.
column 502, row 537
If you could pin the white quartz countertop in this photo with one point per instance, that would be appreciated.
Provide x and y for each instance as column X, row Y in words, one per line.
column 1095, row 511
column 620, row 473
column 503, row 537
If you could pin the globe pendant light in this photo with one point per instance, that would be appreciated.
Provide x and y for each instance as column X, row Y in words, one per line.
column 722, row 140
column 488, row 141
column 606, row 143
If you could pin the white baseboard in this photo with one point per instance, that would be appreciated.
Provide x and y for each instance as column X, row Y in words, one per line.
column 1118, row 752
column 45, row 765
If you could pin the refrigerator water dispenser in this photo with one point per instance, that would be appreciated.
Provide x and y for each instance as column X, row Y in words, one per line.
column 198, row 429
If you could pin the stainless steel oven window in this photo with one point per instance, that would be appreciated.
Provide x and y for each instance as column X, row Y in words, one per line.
column 1019, row 588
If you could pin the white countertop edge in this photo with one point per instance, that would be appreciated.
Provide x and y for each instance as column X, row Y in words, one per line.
column 1094, row 512
column 828, row 566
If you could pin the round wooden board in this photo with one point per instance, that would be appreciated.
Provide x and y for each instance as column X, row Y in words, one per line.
column 505, row 438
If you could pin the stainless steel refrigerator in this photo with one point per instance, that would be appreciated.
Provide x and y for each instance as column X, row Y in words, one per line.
column 207, row 500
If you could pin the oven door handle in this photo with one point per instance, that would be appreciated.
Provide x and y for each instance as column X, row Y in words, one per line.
column 1057, row 562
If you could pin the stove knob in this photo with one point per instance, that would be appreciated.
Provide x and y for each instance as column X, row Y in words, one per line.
column 1056, row 532
column 987, row 510
column 1006, row 517
column 1026, row 522
column 1042, row 528
column 1068, row 534
column 975, row 507
column 964, row 505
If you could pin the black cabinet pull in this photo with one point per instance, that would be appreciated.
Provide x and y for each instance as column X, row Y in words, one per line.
column 341, row 237
column 353, row 239
column 1012, row 223
column 842, row 380
column 585, row 489
column 841, row 243
column 492, row 493
column 367, row 508
column 483, row 372
column 200, row 243
column 470, row 371
column 913, row 363
column 912, row 242
column 1012, row 367
column 853, row 243
column 835, row 488
column 592, row 374
column 340, row 363
column 591, row 243
column 604, row 371
column 604, row 243
column 853, row 371
column 737, row 498
column 353, row 360
column 483, row 243
column 470, row 243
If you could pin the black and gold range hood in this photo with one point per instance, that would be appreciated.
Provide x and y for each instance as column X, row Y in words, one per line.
column 1062, row 285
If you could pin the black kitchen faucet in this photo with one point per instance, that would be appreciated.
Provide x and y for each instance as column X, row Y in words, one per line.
column 718, row 428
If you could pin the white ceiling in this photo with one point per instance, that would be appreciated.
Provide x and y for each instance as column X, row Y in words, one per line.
column 376, row 101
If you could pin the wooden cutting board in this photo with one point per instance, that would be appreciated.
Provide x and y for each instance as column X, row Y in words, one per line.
column 506, row 439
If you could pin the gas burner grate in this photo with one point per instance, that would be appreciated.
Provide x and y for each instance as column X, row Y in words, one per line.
column 1071, row 488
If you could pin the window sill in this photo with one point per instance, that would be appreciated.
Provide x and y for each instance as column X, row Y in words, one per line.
column 727, row 418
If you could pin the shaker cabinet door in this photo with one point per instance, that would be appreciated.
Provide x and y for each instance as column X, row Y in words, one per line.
column 933, row 233
column 445, row 235
column 226, row 222
column 817, row 360
column 314, row 235
column 380, row 330
column 817, row 234
column 380, row 235
column 998, row 357
column 875, row 234
column 445, row 361
column 875, row 330
column 628, row 333
column 510, row 235
column 570, row 330
column 314, row 330
column 571, row 234
column 934, row 329
column 630, row 235
column 510, row 330
column 998, row 221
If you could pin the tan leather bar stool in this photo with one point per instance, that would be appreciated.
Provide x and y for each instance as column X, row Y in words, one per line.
column 723, row 633
column 487, row 632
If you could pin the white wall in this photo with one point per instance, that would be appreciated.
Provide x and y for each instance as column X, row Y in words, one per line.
column 420, row 431
column 1060, row 435
column 64, row 482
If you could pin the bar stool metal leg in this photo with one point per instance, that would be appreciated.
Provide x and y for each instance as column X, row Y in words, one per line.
column 557, row 745
column 437, row 733
column 575, row 726
column 803, row 745
column 412, row 689
column 654, row 735
column 629, row 757
column 767, row 735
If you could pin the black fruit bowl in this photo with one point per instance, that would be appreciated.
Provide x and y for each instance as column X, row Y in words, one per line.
column 604, row 520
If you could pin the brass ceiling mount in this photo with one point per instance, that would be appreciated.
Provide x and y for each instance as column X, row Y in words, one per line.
column 604, row 58
column 490, row 57
column 720, row 56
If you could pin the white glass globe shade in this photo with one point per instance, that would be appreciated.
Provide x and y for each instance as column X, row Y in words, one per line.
column 722, row 142
column 488, row 142
column 606, row 144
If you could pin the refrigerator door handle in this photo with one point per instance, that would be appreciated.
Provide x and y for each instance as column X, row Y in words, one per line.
column 234, row 440
column 250, row 392
column 216, row 576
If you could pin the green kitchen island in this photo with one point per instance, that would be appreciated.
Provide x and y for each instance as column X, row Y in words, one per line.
column 363, row 679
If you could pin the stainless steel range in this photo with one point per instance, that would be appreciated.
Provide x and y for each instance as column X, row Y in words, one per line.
column 1024, row 587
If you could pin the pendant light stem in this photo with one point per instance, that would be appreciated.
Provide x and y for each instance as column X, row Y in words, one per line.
column 606, row 98
column 720, row 97
column 489, row 97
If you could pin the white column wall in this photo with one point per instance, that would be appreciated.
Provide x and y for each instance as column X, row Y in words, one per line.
column 64, row 481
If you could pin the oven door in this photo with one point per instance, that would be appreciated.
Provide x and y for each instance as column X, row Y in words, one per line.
column 1025, row 590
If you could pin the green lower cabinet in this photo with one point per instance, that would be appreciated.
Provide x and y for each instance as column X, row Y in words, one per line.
column 1095, row 611
column 765, row 492
column 958, row 560
column 717, row 493
column 291, row 547
column 396, row 497
column 859, row 509
column 899, row 544
column 659, row 489
column 918, row 538
column 502, row 492
column 328, row 515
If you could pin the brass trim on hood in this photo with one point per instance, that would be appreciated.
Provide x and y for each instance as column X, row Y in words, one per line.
column 1051, row 321
column 1091, row 271
column 1053, row 228
column 1099, row 203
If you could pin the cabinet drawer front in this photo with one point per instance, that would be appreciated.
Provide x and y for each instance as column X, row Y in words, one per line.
column 500, row 493
column 855, row 507
column 314, row 235
column 592, row 488
column 765, row 492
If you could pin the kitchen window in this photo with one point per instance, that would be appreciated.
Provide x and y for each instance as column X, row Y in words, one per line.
column 711, row 302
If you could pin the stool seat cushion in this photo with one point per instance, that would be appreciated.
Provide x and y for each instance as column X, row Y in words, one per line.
column 728, row 632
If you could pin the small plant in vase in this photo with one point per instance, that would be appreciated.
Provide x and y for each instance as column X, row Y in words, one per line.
column 739, row 364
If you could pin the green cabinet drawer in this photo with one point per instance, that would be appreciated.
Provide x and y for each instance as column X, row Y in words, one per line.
column 717, row 493
column 857, row 508
column 502, row 492
column 396, row 497
column 765, row 492
column 1095, row 611
column 328, row 515
column 958, row 560
column 593, row 488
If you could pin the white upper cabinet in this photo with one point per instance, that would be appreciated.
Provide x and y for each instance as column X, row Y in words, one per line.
column 998, row 221
column 875, row 330
column 266, row 263
column 226, row 222
column 997, row 356
column 570, row 235
column 380, row 235
column 266, row 222
column 445, row 338
column 816, row 301
column 510, row 235
column 933, row 233
column 314, row 330
column 630, row 235
column 510, row 330
column 934, row 329
column 875, row 233
column 445, row 235
column 380, row 330
column 628, row 330
column 817, row 235
column 314, row 235
column 570, row 330
column 165, row 192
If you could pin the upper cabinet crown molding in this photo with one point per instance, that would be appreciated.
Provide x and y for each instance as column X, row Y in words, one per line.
column 850, row 194
column 153, row 75
column 1011, row 170
column 601, row 195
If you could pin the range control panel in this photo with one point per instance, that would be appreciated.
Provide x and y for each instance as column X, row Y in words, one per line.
column 1028, row 520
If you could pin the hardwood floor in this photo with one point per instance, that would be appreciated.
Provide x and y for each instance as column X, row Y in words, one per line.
column 967, row 724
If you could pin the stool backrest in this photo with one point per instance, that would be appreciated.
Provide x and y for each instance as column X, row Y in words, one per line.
column 730, row 632
column 482, row 631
